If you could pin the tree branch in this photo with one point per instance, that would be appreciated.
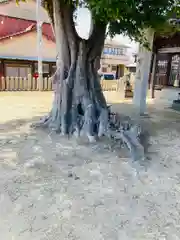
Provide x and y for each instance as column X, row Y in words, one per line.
column 96, row 41
column 70, row 31
column 61, row 40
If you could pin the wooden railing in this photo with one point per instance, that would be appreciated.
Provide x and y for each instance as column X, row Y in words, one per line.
column 112, row 85
column 32, row 84
column 25, row 84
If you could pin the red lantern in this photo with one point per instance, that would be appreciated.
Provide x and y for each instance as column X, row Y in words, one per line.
column 36, row 75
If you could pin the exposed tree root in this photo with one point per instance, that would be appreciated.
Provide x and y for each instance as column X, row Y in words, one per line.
column 119, row 128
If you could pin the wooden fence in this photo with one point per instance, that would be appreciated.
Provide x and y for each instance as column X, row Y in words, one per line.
column 32, row 84
column 24, row 84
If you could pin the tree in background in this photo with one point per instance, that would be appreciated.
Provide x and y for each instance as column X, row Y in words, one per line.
column 79, row 104
column 172, row 25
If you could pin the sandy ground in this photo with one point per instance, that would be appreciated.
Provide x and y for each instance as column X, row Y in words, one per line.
column 52, row 188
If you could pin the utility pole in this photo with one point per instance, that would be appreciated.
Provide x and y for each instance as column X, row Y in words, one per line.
column 39, row 43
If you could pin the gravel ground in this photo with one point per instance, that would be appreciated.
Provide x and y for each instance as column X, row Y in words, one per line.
column 54, row 188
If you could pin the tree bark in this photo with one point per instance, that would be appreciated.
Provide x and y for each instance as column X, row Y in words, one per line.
column 79, row 105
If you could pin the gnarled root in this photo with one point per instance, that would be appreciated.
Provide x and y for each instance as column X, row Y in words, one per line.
column 94, row 124
column 123, row 129
column 43, row 122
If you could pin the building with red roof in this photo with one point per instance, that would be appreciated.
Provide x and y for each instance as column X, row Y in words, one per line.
column 10, row 26
column 18, row 44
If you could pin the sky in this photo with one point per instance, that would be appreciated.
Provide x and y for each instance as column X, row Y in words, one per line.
column 83, row 28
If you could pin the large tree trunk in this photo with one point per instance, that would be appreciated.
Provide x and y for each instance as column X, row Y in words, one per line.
column 79, row 104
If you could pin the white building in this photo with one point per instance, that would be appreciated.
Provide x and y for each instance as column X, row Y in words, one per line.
column 115, row 58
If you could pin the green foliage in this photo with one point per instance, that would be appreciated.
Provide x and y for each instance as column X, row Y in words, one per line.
column 129, row 17
column 168, row 28
column 134, row 15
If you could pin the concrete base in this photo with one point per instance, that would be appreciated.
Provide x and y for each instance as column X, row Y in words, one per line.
column 176, row 105
column 176, row 83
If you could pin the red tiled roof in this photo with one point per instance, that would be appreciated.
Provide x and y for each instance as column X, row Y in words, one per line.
column 10, row 26
column 48, row 32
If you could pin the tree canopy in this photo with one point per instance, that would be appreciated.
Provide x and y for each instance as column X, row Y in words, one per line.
column 172, row 24
column 127, row 17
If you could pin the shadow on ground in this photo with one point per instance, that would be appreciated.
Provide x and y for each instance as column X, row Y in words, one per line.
column 18, row 135
column 55, row 188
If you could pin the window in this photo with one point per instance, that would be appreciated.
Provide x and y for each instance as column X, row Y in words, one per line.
column 23, row 72
column 45, row 67
column 15, row 70
column 105, row 51
column 104, row 69
column 53, row 69
column 12, row 71
column 113, row 68
column 112, row 51
column 36, row 67
column 121, row 51
column 135, row 58
column 132, row 69
column 124, row 51
column 116, row 51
